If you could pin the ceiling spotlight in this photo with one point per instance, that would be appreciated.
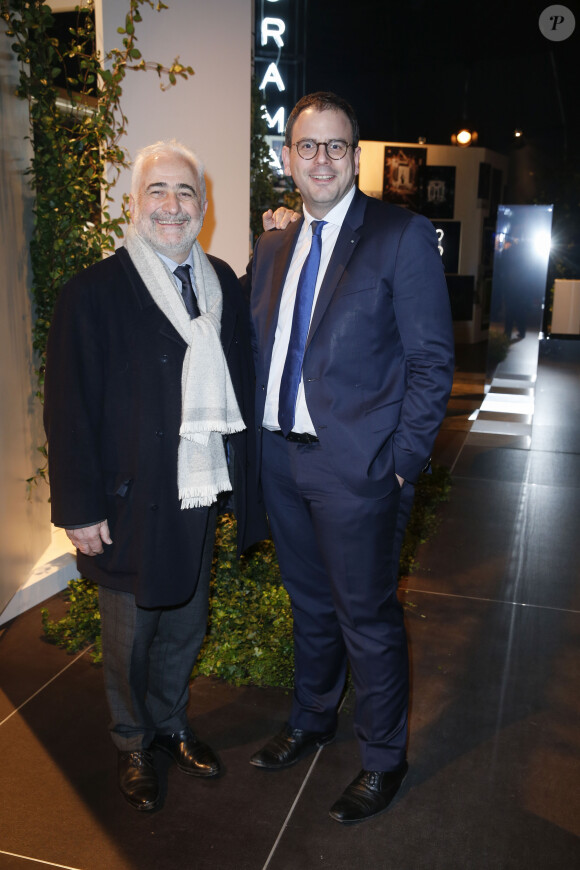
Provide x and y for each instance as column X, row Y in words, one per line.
column 518, row 133
column 464, row 137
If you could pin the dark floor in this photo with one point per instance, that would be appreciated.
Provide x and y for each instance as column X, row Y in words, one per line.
column 493, row 615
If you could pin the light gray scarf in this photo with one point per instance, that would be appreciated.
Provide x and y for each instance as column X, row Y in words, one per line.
column 208, row 403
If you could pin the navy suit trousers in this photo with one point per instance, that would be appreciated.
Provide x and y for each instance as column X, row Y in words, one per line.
column 339, row 555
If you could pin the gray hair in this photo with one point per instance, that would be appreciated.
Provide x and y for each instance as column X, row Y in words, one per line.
column 167, row 147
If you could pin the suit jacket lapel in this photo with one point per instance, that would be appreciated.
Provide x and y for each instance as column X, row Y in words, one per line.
column 145, row 299
column 228, row 325
column 282, row 259
column 344, row 248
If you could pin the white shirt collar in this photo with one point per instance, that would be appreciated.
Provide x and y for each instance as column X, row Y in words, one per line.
column 337, row 214
column 172, row 265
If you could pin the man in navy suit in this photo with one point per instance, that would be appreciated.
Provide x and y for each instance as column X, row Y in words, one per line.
column 344, row 440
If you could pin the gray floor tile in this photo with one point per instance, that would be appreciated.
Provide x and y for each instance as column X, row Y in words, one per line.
column 493, row 617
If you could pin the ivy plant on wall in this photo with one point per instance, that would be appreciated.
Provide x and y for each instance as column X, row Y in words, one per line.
column 262, row 190
column 76, row 127
column 249, row 638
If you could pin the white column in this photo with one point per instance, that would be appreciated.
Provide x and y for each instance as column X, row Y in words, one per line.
column 24, row 524
column 210, row 112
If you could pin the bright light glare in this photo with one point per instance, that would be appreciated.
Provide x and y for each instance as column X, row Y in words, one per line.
column 542, row 242
column 464, row 137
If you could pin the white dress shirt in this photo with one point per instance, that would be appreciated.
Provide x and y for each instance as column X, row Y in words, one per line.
column 334, row 220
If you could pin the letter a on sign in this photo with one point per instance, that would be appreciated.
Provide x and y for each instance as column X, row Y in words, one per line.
column 272, row 76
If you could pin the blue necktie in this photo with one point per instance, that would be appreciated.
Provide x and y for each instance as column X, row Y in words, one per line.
column 182, row 272
column 300, row 326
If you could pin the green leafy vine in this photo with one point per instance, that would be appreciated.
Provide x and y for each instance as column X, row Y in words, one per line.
column 249, row 637
column 76, row 134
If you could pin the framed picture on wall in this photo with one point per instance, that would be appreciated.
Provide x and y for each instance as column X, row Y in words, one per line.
column 448, row 238
column 438, row 192
column 403, row 176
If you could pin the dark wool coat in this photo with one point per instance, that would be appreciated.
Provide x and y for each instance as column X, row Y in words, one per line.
column 112, row 413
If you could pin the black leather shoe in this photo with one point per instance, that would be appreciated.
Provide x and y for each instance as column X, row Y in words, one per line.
column 189, row 753
column 288, row 746
column 138, row 779
column 369, row 794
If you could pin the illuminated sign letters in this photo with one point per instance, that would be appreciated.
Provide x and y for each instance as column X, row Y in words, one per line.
column 272, row 77
column 274, row 28
column 271, row 32
column 279, row 63
column 276, row 121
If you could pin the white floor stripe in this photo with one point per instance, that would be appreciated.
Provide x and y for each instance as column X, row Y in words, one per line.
column 291, row 811
column 459, row 452
column 42, row 688
column 490, row 600
column 297, row 798
column 38, row 861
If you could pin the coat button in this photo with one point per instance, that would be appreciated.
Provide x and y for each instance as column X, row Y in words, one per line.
column 163, row 357
column 154, row 507
column 159, row 433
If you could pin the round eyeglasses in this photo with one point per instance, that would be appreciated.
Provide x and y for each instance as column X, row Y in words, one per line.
column 335, row 148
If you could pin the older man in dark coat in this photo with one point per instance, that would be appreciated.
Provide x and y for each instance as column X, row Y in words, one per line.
column 149, row 386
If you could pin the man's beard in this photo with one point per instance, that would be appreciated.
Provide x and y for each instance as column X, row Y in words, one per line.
column 152, row 233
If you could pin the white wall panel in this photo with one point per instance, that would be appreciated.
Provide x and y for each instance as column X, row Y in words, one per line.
column 210, row 112
column 24, row 524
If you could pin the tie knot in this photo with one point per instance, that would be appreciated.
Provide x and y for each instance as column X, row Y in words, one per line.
column 317, row 227
column 189, row 298
column 182, row 272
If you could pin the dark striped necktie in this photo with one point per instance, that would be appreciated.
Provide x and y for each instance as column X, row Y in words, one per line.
column 183, row 273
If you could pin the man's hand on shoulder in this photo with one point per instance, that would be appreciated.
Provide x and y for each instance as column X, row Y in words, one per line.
column 90, row 539
column 279, row 219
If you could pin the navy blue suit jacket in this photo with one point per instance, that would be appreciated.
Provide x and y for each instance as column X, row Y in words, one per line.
column 379, row 359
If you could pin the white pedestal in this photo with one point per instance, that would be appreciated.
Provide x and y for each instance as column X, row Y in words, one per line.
column 50, row 575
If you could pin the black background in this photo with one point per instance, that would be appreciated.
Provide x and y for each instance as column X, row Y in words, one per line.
column 419, row 68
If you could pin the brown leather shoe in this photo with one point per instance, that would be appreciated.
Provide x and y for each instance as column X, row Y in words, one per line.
column 189, row 753
column 138, row 779
column 285, row 748
column 369, row 794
